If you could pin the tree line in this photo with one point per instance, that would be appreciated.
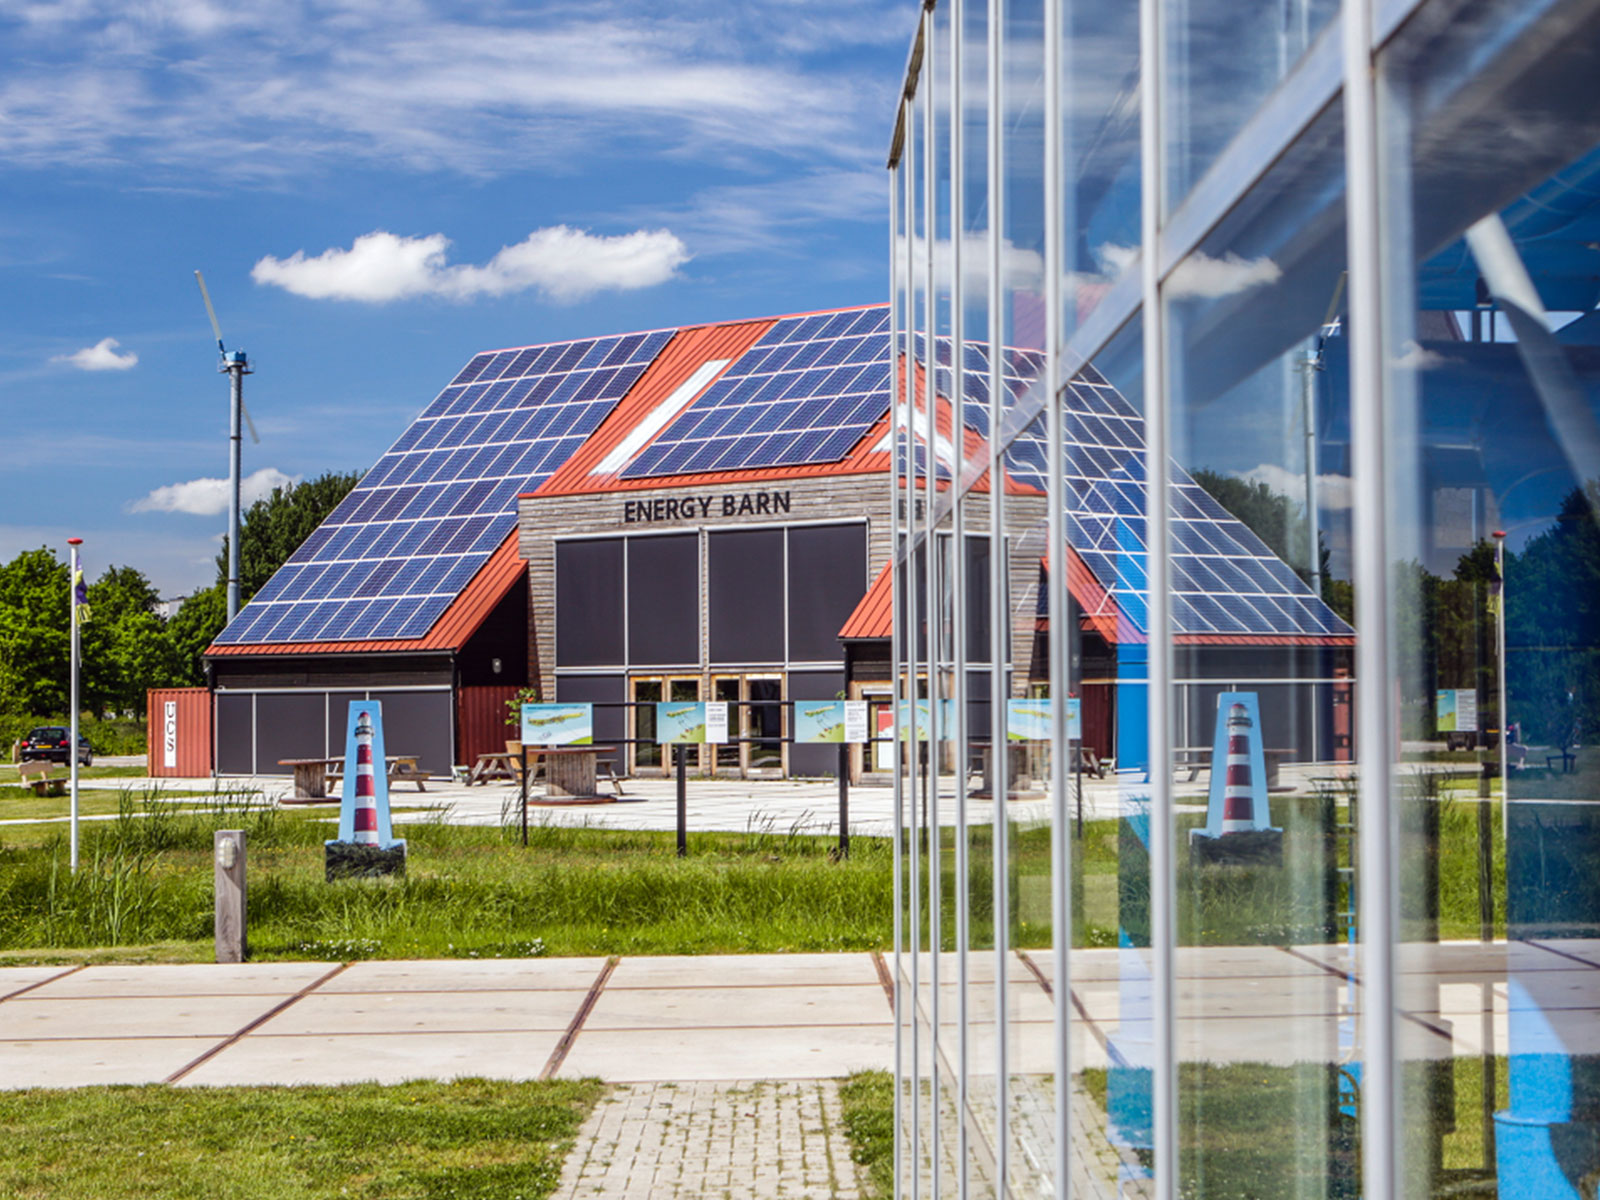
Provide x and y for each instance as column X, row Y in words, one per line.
column 126, row 646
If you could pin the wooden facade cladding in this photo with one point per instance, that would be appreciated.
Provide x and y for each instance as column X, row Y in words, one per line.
column 543, row 520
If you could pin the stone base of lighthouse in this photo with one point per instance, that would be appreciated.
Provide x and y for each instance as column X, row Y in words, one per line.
column 1247, row 848
column 355, row 860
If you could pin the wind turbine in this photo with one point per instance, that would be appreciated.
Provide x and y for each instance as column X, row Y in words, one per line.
column 235, row 365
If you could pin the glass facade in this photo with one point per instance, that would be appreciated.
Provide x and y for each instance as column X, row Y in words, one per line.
column 1247, row 512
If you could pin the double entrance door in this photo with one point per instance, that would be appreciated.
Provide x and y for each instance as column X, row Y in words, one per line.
column 756, row 719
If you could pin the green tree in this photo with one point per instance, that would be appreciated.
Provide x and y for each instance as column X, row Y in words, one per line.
column 35, row 637
column 273, row 527
column 126, row 649
column 192, row 628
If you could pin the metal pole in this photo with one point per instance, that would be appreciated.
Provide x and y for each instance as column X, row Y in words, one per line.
column 683, row 799
column 1309, row 366
column 72, row 737
column 844, row 799
column 524, row 792
column 1500, row 679
column 236, row 388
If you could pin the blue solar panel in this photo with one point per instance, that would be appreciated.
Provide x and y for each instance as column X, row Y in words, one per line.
column 447, row 487
column 769, row 391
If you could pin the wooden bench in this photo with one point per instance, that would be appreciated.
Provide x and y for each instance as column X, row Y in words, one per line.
column 42, row 779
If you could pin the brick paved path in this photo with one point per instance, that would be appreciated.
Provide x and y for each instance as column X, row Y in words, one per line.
column 664, row 1141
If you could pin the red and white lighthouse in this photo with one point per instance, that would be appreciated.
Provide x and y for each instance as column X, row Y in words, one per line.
column 366, row 808
column 1238, row 797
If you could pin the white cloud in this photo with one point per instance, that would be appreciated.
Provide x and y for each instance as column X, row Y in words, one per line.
column 209, row 497
column 102, row 356
column 1417, row 357
column 1333, row 491
column 561, row 262
column 1201, row 277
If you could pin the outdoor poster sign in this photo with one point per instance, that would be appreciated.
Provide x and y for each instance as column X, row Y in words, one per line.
column 717, row 721
column 855, row 721
column 835, row 721
column 557, row 724
column 1029, row 720
column 947, row 718
column 1458, row 710
column 680, row 721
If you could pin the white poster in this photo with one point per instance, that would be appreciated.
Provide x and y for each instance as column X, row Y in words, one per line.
column 716, row 721
column 855, row 721
column 1466, row 710
column 169, row 734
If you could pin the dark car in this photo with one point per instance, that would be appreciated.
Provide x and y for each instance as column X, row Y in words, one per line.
column 51, row 741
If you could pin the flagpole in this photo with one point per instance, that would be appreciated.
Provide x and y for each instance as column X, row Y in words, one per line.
column 1500, row 679
column 72, row 737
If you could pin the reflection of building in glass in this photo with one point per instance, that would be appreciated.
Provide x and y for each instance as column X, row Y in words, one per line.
column 1362, row 322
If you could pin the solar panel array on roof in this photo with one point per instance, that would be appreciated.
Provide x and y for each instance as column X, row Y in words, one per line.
column 1225, row 580
column 806, row 392
column 401, row 546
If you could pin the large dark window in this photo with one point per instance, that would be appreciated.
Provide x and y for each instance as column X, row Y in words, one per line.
column 746, row 584
column 236, row 734
column 605, row 692
column 589, row 603
column 827, row 576
column 806, row 759
column 664, row 600
column 419, row 724
column 288, row 725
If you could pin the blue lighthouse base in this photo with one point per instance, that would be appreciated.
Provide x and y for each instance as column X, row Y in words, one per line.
column 1546, row 1160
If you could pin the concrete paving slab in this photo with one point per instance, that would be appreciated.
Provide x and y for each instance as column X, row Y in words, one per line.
column 187, row 979
column 429, row 1012
column 381, row 1058
column 663, row 1056
column 452, row 975
column 96, row 1062
column 741, row 1007
column 16, row 979
column 743, row 970
column 29, row 1019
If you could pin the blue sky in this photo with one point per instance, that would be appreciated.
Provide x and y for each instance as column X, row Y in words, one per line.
column 374, row 192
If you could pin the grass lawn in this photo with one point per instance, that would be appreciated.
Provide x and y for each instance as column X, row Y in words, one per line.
column 469, row 1138
column 867, row 1098
column 144, row 889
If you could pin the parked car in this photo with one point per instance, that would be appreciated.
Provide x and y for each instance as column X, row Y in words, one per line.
column 51, row 741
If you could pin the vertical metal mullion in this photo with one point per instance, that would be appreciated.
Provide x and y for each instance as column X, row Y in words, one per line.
column 1163, row 883
column 999, row 609
column 914, row 625
column 934, row 592
column 1056, row 603
column 897, row 613
column 958, row 621
column 1374, row 716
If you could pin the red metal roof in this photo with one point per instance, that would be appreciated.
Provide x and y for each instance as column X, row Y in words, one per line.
column 873, row 618
column 450, row 632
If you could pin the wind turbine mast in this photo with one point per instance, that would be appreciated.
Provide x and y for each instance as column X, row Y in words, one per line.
column 235, row 365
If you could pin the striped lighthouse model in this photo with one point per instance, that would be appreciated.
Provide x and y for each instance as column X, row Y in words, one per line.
column 366, row 806
column 1238, row 798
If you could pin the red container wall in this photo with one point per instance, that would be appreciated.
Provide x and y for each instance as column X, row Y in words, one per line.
column 481, row 721
column 179, row 743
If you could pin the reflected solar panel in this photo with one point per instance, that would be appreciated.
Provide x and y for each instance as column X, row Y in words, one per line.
column 1225, row 579
column 400, row 547
column 766, row 400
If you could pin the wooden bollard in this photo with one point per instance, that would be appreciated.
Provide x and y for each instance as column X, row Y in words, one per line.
column 232, row 940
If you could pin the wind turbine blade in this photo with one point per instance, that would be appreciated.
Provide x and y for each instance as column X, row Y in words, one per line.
column 251, row 425
column 210, row 312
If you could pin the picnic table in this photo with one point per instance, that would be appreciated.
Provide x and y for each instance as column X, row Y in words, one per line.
column 39, row 776
column 313, row 775
column 1195, row 759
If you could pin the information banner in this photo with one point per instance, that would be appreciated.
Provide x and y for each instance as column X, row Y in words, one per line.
column 557, row 724
column 680, row 721
column 1458, row 710
column 1029, row 720
column 947, row 719
column 717, row 721
column 819, row 721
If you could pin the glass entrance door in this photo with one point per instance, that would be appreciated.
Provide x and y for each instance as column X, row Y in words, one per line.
column 646, row 691
column 763, row 723
column 730, row 757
